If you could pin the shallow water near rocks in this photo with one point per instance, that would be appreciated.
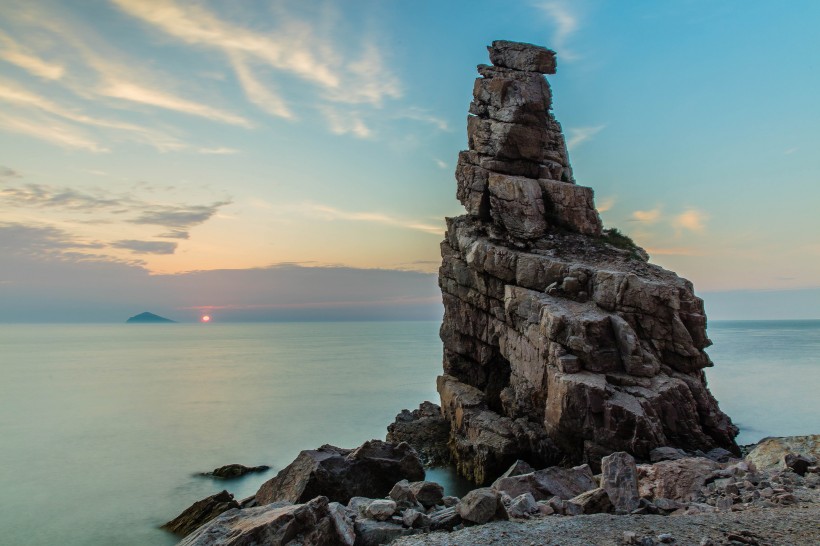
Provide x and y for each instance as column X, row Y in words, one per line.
column 104, row 428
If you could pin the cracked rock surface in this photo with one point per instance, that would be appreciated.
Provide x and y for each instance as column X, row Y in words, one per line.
column 562, row 344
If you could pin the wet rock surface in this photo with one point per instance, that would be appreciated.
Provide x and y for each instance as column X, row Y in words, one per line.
column 201, row 512
column 234, row 471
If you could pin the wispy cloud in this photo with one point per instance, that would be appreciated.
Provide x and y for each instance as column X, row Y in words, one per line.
column 419, row 114
column 179, row 216
column 41, row 196
column 131, row 91
column 52, row 132
column 646, row 216
column 218, row 151
column 673, row 251
column 14, row 53
column 326, row 212
column 579, row 135
column 286, row 49
column 565, row 22
column 6, row 172
column 440, row 164
column 348, row 122
column 259, row 94
column 16, row 94
column 175, row 234
column 606, row 204
column 692, row 220
column 146, row 247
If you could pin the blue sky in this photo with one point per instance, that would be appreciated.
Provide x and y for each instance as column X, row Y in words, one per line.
column 150, row 139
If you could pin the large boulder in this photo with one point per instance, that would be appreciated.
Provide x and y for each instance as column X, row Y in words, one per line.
column 481, row 505
column 273, row 525
column 201, row 512
column 426, row 430
column 679, row 480
column 619, row 478
column 770, row 452
column 555, row 481
column 370, row 470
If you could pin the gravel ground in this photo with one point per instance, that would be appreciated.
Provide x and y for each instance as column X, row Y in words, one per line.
column 781, row 526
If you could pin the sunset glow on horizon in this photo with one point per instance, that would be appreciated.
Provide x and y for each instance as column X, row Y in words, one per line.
column 205, row 318
column 146, row 143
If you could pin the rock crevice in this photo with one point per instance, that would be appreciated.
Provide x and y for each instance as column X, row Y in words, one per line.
column 559, row 345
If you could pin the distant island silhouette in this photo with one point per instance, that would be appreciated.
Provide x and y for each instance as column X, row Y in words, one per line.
column 148, row 317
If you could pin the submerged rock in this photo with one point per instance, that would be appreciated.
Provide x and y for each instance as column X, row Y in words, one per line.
column 561, row 343
column 371, row 470
column 235, row 471
column 201, row 512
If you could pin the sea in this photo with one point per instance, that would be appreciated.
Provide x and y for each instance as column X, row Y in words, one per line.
column 106, row 428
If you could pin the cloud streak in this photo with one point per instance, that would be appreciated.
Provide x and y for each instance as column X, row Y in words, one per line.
column 330, row 213
column 691, row 220
column 14, row 53
column 566, row 24
column 646, row 216
column 579, row 135
column 145, row 247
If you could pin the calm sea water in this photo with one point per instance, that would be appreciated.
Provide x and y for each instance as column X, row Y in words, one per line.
column 103, row 428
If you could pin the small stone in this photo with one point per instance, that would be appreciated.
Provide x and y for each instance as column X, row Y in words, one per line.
column 415, row 519
column 428, row 494
column 522, row 506
column 591, row 502
column 381, row 509
column 629, row 537
column 666, row 538
column 798, row 463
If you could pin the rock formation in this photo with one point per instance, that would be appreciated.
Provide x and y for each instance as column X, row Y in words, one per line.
column 561, row 343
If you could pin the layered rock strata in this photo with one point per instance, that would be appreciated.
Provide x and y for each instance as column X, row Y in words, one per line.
column 561, row 343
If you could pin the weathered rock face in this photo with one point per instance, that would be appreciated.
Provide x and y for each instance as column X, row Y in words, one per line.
column 202, row 511
column 370, row 470
column 558, row 345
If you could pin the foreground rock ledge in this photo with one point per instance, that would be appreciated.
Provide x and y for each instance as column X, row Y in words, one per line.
column 561, row 343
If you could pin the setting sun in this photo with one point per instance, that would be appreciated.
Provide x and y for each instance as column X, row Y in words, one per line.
column 205, row 318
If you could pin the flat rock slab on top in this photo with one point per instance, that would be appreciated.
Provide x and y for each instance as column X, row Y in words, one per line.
column 521, row 56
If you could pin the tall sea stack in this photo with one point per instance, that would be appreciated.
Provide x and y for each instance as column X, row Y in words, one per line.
column 561, row 343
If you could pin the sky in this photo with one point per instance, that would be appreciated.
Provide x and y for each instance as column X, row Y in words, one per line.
column 272, row 160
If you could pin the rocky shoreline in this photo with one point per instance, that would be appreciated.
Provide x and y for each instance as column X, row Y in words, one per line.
column 573, row 392
column 376, row 494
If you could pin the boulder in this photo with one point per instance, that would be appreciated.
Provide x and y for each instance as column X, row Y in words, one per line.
column 374, row 533
column 564, row 483
column 666, row 453
column 518, row 468
column 769, row 452
column 590, row 502
column 272, row 525
column 416, row 520
column 381, row 509
column 426, row 430
column 521, row 56
column 798, row 463
column 446, row 519
column 201, row 512
column 522, row 506
column 370, row 470
column 235, row 470
column 480, row 506
column 619, row 478
column 428, row 494
column 679, row 480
